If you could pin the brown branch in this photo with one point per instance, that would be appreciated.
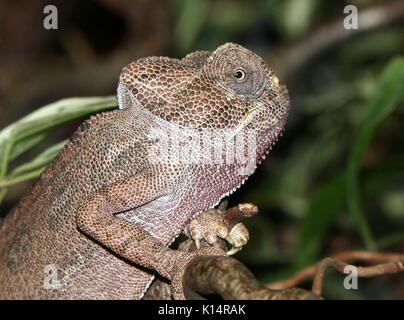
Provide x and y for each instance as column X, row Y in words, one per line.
column 222, row 275
column 231, row 280
column 377, row 270
column 225, row 277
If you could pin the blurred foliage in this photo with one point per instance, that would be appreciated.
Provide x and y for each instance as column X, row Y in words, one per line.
column 334, row 181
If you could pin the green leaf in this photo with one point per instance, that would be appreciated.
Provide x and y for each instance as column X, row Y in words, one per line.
column 389, row 93
column 326, row 205
column 25, row 144
column 33, row 128
column 329, row 202
column 5, row 151
column 23, row 177
column 40, row 161
column 54, row 114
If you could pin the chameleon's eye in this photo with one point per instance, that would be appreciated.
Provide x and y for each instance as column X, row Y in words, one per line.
column 239, row 74
column 239, row 70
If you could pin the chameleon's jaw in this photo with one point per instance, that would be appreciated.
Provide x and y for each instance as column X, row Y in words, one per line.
column 269, row 119
column 265, row 121
column 248, row 117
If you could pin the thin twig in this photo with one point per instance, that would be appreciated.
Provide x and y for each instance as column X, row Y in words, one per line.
column 388, row 263
column 372, row 271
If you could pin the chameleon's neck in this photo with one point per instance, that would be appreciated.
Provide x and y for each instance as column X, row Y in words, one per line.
column 209, row 164
column 220, row 148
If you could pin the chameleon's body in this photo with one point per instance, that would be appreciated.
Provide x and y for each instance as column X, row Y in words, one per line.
column 105, row 210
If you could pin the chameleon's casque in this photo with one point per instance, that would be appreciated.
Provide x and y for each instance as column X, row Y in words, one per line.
column 98, row 222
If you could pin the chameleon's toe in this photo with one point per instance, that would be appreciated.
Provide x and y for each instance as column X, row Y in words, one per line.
column 237, row 237
column 210, row 227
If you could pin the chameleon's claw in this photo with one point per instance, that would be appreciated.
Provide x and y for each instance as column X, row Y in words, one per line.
column 233, row 250
column 197, row 243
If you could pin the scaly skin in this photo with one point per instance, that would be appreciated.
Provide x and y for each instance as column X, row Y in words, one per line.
column 98, row 223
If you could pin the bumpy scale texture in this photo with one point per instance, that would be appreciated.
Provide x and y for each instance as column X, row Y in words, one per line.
column 98, row 222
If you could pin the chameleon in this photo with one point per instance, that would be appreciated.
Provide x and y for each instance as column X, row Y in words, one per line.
column 99, row 222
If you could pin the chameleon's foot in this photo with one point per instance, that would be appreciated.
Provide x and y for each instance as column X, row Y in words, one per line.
column 237, row 237
column 210, row 226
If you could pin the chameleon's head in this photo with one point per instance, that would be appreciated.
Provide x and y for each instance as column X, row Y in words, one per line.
column 230, row 88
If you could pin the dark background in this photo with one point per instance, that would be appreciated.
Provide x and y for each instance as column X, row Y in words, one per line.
column 331, row 74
